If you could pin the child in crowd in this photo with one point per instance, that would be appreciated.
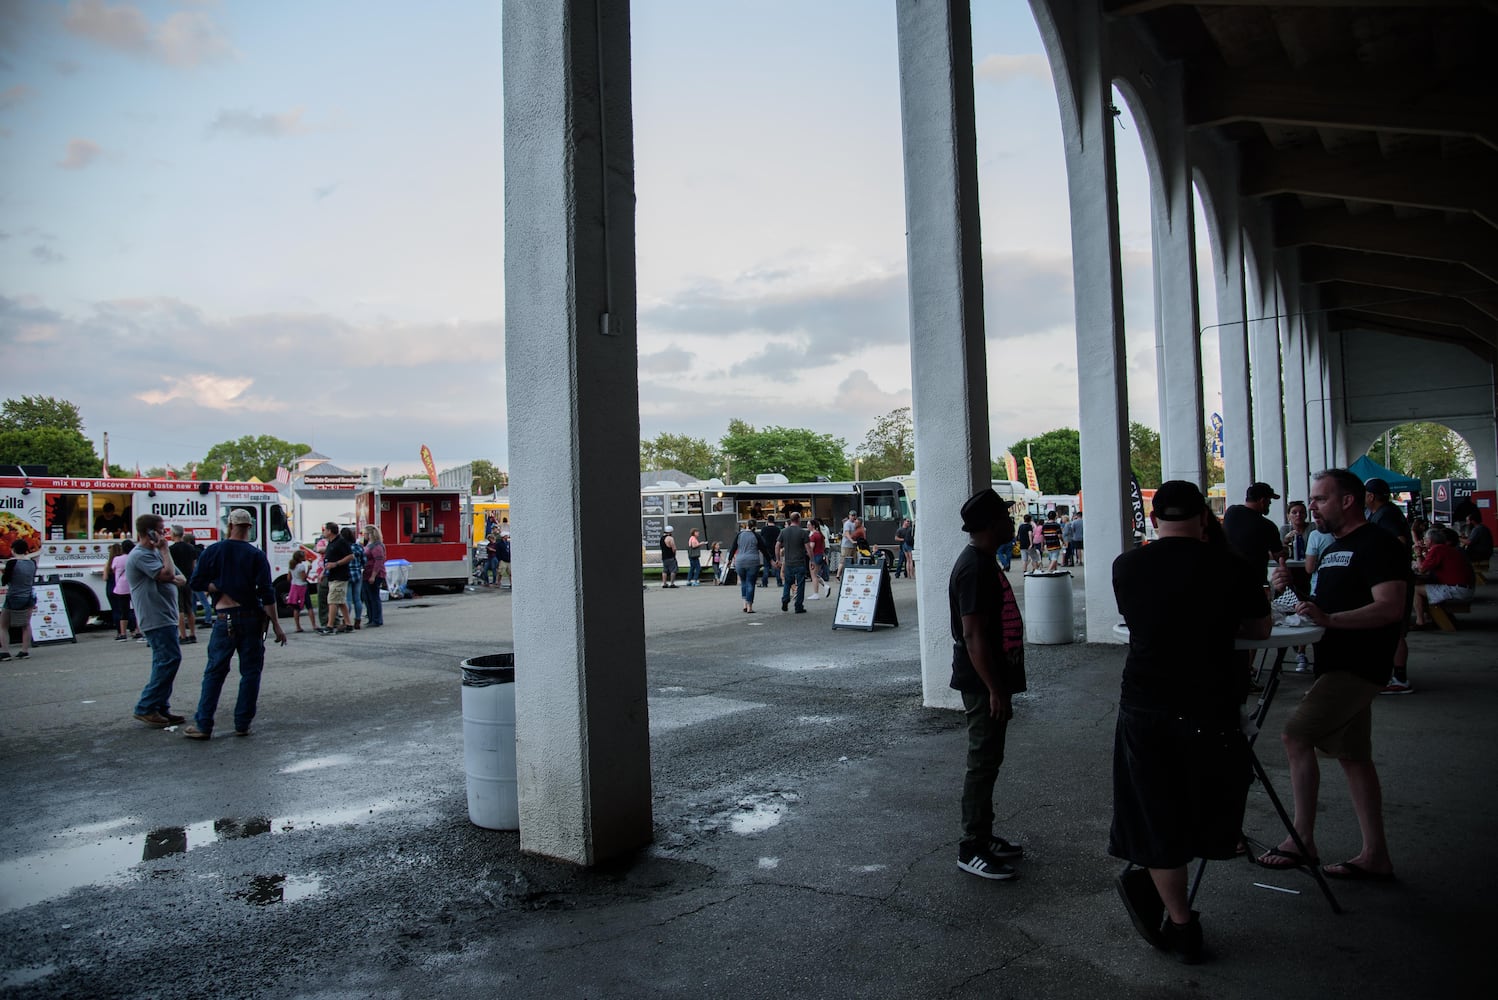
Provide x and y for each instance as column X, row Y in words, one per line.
column 716, row 555
column 296, row 596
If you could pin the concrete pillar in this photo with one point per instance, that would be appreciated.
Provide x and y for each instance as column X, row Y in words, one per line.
column 949, row 377
column 1217, row 180
column 1293, row 327
column 573, row 404
column 1177, row 316
column 1265, row 303
column 1336, row 402
column 1074, row 39
column 1317, row 435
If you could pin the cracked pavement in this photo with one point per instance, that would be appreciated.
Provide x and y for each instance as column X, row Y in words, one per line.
column 805, row 818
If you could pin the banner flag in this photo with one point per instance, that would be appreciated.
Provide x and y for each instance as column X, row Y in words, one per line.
column 1136, row 501
column 1011, row 467
column 1030, row 480
column 429, row 465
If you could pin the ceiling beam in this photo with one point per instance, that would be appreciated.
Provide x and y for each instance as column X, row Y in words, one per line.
column 1352, row 320
column 1460, row 241
column 1429, row 310
column 1394, row 100
column 1319, row 265
column 1459, row 184
column 1125, row 8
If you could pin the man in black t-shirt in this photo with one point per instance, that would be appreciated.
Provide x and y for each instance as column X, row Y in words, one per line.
column 184, row 555
column 988, row 668
column 1251, row 534
column 769, row 534
column 1360, row 598
column 336, row 559
column 792, row 553
column 1180, row 762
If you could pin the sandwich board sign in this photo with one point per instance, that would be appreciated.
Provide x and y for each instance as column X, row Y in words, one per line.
column 864, row 599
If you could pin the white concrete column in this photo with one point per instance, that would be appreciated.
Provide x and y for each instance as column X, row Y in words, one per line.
column 948, row 359
column 1482, row 436
column 573, row 405
column 1336, row 402
column 1217, row 179
column 1317, row 435
column 1293, row 327
column 1266, row 304
column 1074, row 39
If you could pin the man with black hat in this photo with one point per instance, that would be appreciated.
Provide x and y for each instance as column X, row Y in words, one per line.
column 1251, row 534
column 988, row 668
column 1180, row 760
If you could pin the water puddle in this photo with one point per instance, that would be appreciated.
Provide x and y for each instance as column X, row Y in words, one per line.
column 27, row 974
column 267, row 890
column 318, row 763
column 758, row 813
column 112, row 860
column 769, row 863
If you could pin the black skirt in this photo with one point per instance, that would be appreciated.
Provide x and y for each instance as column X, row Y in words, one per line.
column 1179, row 788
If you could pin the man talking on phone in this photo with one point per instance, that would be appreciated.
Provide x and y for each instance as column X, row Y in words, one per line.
column 153, row 593
column 236, row 577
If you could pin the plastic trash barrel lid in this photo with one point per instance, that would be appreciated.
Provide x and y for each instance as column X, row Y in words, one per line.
column 491, row 668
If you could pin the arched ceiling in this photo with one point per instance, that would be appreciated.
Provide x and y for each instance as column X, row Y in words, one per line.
column 1370, row 130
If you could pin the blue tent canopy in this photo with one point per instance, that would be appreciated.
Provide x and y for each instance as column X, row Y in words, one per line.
column 1366, row 468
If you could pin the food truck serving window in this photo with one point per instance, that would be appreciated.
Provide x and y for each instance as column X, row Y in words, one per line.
column 67, row 516
column 111, row 515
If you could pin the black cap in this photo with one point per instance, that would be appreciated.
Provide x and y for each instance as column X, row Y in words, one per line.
column 1261, row 491
column 1377, row 487
column 1179, row 500
column 983, row 509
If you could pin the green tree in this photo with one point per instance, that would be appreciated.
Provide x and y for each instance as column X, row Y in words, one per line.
column 64, row 452
column 43, row 430
column 1423, row 451
column 889, row 448
column 250, row 456
column 30, row 413
column 1144, row 455
column 799, row 454
column 487, row 478
column 1058, row 459
column 694, row 456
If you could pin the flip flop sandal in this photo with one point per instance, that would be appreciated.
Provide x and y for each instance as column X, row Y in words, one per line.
column 1292, row 859
column 1351, row 871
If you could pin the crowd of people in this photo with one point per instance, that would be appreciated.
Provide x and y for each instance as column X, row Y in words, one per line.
column 1181, row 767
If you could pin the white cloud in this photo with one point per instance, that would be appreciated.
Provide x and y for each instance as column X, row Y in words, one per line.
column 1003, row 68
column 81, row 153
column 261, row 126
column 211, row 391
column 184, row 39
column 860, row 393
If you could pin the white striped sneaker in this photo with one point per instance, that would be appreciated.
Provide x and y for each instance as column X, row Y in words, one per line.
column 977, row 861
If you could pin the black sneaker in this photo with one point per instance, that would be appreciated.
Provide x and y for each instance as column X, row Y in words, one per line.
column 977, row 861
column 23, row 655
column 785, row 605
column 4, row 657
column 1003, row 850
column 1184, row 939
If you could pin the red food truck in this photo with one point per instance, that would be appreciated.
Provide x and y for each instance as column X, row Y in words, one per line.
column 423, row 525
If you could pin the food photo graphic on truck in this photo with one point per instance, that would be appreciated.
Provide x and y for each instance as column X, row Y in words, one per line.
column 69, row 525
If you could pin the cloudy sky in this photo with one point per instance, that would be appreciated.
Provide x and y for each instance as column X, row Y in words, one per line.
column 267, row 216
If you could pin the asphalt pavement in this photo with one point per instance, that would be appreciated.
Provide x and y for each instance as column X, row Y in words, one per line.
column 805, row 830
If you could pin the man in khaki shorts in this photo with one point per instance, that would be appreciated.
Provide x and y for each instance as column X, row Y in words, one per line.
column 1362, row 581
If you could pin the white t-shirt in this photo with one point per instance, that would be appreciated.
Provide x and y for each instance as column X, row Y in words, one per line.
column 848, row 542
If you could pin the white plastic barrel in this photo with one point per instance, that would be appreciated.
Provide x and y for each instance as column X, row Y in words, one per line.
column 489, row 741
column 1048, row 608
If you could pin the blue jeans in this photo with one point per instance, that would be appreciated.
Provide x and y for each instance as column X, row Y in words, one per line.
column 247, row 642
column 166, row 657
column 694, row 570
column 356, row 597
column 1006, row 555
column 747, row 572
column 372, row 602
column 795, row 576
column 204, row 605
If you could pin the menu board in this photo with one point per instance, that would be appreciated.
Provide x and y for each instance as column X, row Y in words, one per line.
column 864, row 599
column 49, row 619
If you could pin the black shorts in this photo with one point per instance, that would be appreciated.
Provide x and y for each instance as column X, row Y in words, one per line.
column 184, row 599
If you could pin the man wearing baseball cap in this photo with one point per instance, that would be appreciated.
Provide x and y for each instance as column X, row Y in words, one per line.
column 1251, row 534
column 988, row 668
column 1180, row 761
